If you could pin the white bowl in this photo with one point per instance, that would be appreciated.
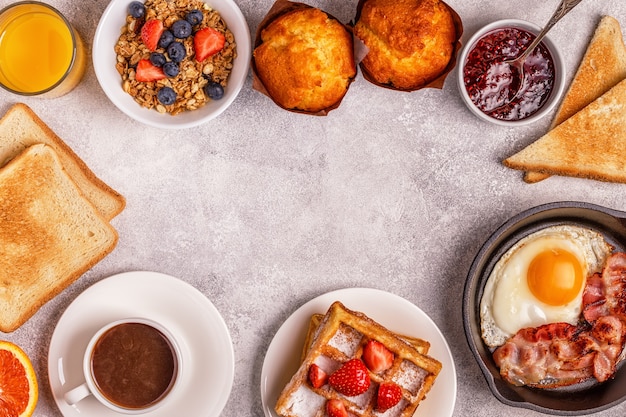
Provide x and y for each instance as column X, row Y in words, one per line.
column 104, row 59
column 559, row 72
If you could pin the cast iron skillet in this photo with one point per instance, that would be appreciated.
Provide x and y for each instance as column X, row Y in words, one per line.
column 585, row 398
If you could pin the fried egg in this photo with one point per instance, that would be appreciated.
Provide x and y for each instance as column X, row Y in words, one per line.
column 540, row 280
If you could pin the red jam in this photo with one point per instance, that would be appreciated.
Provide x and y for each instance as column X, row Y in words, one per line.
column 493, row 85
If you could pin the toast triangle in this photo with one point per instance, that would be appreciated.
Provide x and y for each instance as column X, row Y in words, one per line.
column 50, row 234
column 20, row 128
column 590, row 144
column 603, row 65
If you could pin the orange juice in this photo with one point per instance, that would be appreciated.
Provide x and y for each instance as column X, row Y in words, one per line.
column 39, row 50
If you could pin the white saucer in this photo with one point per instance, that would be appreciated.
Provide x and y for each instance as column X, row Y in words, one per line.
column 208, row 358
column 397, row 314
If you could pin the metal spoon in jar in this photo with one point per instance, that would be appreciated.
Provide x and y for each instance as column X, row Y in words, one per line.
column 517, row 65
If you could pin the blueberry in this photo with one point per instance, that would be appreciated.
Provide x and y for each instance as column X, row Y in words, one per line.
column 157, row 59
column 176, row 51
column 165, row 39
column 170, row 69
column 181, row 29
column 214, row 90
column 136, row 9
column 194, row 17
column 166, row 96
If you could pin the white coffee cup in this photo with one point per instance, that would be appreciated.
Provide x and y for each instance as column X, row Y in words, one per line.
column 144, row 350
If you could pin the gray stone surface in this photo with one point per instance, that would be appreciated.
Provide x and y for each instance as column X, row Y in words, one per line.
column 262, row 209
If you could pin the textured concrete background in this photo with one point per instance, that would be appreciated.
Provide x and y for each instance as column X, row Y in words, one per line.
column 262, row 209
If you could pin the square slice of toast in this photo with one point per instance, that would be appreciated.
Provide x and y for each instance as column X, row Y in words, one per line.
column 603, row 65
column 20, row 128
column 50, row 234
column 340, row 337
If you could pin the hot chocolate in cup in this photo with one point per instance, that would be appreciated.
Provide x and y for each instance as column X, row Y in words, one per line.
column 131, row 366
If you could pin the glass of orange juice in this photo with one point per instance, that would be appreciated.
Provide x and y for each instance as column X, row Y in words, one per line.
column 41, row 54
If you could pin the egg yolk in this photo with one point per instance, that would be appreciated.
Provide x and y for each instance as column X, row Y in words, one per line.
column 555, row 277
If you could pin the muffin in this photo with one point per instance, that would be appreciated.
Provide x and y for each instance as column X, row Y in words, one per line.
column 410, row 42
column 305, row 60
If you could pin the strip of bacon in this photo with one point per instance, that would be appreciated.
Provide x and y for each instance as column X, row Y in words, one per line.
column 610, row 332
column 560, row 354
column 545, row 356
column 594, row 298
column 614, row 279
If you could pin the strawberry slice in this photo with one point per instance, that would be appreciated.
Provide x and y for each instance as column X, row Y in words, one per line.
column 151, row 32
column 377, row 357
column 351, row 379
column 207, row 42
column 147, row 72
column 389, row 394
column 317, row 377
column 336, row 408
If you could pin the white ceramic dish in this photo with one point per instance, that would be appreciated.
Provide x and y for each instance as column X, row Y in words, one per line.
column 104, row 59
column 206, row 346
column 399, row 315
column 559, row 70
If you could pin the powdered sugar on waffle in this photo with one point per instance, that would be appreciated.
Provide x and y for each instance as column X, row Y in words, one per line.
column 346, row 340
column 410, row 377
column 364, row 400
column 327, row 364
column 305, row 403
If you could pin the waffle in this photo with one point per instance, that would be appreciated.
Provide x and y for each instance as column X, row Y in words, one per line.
column 341, row 336
column 421, row 345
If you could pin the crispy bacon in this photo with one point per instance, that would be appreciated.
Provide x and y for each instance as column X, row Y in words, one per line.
column 610, row 332
column 594, row 289
column 544, row 355
column 560, row 354
column 594, row 302
column 614, row 278
column 605, row 294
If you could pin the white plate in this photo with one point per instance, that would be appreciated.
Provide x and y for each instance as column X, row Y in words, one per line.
column 104, row 59
column 397, row 314
column 206, row 346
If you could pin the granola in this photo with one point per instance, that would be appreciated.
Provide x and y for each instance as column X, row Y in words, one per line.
column 193, row 76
